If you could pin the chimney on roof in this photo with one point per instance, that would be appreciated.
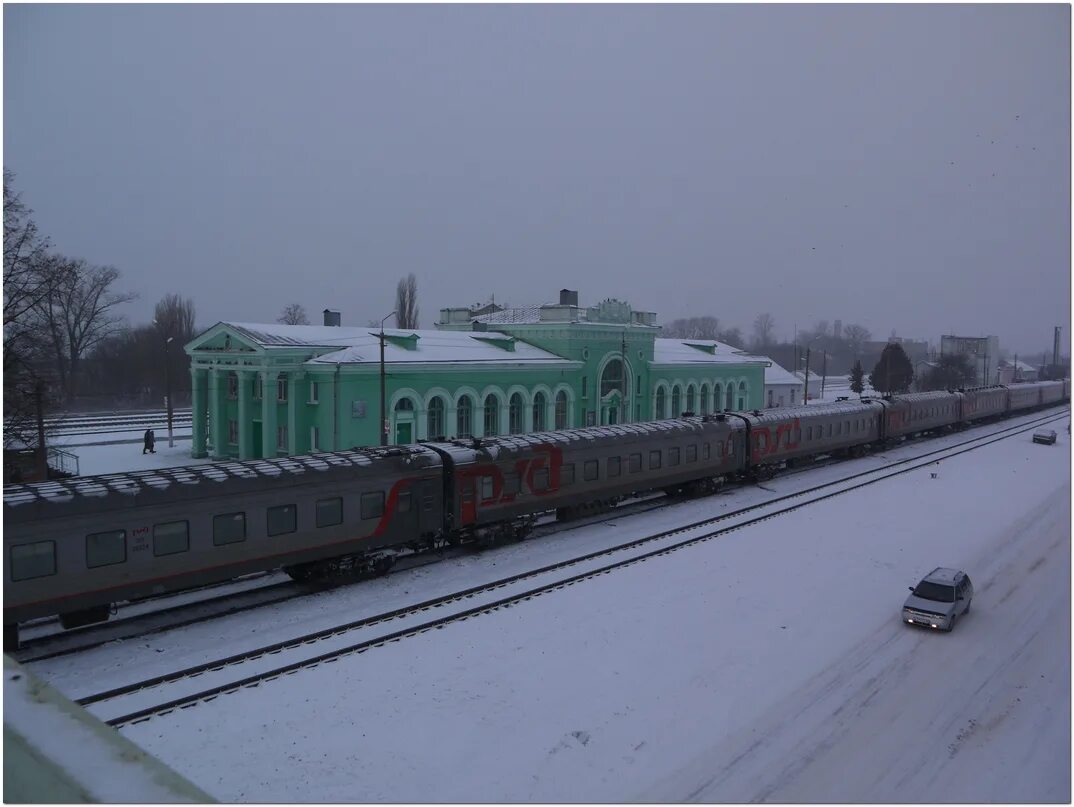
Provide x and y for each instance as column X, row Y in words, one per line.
column 568, row 297
column 331, row 318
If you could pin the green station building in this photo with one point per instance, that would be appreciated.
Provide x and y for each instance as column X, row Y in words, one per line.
column 269, row 390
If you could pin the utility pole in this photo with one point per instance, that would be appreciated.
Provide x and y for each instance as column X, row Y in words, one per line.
column 42, row 450
column 622, row 415
column 808, row 348
column 383, row 414
column 168, row 388
column 824, row 374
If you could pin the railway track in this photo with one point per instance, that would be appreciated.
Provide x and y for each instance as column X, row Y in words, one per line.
column 77, row 425
column 186, row 688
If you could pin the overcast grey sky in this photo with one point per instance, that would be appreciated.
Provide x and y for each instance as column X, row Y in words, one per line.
column 905, row 167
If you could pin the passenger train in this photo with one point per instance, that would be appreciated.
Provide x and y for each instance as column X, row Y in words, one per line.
column 76, row 547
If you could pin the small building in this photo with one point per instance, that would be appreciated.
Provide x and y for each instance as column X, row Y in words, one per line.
column 982, row 351
column 1012, row 372
column 781, row 388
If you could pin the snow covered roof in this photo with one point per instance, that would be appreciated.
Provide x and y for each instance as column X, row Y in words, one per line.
column 700, row 351
column 439, row 346
column 518, row 315
column 774, row 374
column 361, row 345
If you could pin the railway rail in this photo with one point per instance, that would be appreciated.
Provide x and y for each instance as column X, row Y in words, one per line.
column 128, row 704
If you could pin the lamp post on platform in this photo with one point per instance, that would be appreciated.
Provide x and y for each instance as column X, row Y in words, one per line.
column 383, row 415
column 168, row 388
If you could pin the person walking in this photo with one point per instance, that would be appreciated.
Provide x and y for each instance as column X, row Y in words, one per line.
column 150, row 442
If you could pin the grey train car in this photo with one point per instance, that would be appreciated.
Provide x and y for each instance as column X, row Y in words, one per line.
column 785, row 435
column 1051, row 392
column 920, row 412
column 1023, row 396
column 75, row 547
column 979, row 403
column 589, row 469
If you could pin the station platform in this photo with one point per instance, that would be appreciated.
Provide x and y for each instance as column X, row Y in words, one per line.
column 56, row 752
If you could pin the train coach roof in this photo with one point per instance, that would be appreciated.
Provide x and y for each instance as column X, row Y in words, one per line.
column 522, row 442
column 90, row 493
column 783, row 413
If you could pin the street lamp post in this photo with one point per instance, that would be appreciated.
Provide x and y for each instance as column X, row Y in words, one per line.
column 168, row 388
column 383, row 414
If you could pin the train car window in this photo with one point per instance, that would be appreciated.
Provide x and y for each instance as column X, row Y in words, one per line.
column 540, row 479
column 171, row 538
column 654, row 460
column 591, row 470
column 486, row 488
column 673, row 456
column 106, row 548
column 511, row 485
column 691, row 453
column 330, row 511
column 566, row 474
column 33, row 560
column 281, row 519
column 635, row 463
column 615, row 466
column 372, row 505
column 405, row 502
column 229, row 528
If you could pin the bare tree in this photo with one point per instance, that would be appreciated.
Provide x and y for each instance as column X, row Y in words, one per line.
column 25, row 281
column 294, row 314
column 763, row 328
column 174, row 317
column 77, row 313
column 406, row 302
column 733, row 337
column 706, row 327
column 856, row 336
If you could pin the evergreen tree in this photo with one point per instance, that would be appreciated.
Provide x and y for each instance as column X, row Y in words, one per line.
column 857, row 378
column 893, row 373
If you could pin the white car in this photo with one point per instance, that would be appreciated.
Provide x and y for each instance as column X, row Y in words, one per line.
column 939, row 599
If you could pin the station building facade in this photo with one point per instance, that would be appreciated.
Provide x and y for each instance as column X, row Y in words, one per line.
column 268, row 390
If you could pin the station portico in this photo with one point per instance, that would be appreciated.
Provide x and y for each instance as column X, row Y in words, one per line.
column 267, row 390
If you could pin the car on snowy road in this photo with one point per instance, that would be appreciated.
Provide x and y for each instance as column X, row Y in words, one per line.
column 939, row 599
column 1046, row 436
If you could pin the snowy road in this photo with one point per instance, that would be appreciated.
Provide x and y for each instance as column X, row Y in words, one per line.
column 768, row 665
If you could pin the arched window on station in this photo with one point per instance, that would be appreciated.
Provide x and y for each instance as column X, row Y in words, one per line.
column 404, row 429
column 690, row 398
column 465, row 416
column 704, row 399
column 539, row 406
column 611, row 380
column 492, row 415
column 717, row 398
column 741, row 395
column 561, row 409
column 730, row 403
column 436, row 418
column 661, row 404
column 515, row 423
column 676, row 401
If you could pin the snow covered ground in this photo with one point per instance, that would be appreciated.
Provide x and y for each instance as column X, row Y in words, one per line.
column 770, row 664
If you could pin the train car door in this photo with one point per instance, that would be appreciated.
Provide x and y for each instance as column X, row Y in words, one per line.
column 426, row 500
column 467, row 500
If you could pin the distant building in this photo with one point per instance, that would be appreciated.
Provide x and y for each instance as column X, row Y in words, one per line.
column 1011, row 372
column 781, row 388
column 982, row 351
